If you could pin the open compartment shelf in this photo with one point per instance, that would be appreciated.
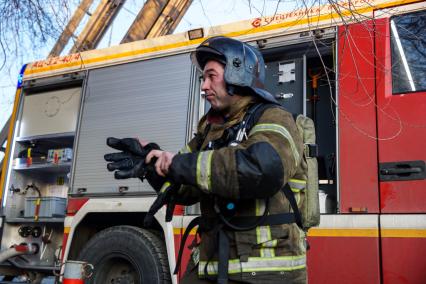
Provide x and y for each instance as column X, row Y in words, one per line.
column 32, row 220
column 45, row 168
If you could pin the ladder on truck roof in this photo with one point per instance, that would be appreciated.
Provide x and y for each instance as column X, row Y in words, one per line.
column 156, row 18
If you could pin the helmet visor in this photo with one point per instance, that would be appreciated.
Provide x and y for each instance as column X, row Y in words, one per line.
column 203, row 54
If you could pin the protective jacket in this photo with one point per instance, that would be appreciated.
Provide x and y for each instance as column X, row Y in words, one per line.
column 215, row 171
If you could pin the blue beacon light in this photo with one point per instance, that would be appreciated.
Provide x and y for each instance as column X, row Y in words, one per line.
column 21, row 76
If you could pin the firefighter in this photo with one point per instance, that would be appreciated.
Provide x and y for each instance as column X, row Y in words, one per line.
column 246, row 149
column 237, row 179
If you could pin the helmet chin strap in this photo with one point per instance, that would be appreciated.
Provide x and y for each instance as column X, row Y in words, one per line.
column 230, row 89
column 237, row 90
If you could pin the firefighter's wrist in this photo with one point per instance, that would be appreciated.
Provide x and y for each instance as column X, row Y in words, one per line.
column 156, row 181
column 183, row 169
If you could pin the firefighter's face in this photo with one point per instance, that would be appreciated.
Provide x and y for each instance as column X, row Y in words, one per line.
column 214, row 87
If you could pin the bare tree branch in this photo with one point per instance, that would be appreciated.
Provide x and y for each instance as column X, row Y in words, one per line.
column 29, row 26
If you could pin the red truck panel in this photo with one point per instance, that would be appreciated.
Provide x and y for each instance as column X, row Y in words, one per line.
column 403, row 247
column 403, row 260
column 357, row 119
column 343, row 260
column 402, row 129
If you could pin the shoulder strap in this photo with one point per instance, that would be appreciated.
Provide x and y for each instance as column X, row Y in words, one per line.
column 251, row 118
column 290, row 196
column 255, row 112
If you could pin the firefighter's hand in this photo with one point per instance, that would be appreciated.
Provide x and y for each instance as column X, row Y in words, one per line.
column 125, row 165
column 143, row 142
column 129, row 145
column 164, row 160
column 130, row 162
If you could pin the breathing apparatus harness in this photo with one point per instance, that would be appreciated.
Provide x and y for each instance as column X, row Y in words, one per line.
column 226, row 209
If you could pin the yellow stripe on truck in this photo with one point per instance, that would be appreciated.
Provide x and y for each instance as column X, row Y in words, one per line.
column 131, row 53
column 403, row 233
column 372, row 233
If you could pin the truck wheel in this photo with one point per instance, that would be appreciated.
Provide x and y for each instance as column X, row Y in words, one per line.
column 126, row 254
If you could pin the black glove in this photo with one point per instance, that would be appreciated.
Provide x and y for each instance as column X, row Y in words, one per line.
column 154, row 179
column 165, row 197
column 130, row 162
column 125, row 165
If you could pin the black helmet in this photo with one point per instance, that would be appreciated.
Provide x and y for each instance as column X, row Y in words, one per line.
column 244, row 65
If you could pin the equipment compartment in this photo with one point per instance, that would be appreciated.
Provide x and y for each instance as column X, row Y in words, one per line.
column 36, row 188
column 49, row 207
column 42, row 153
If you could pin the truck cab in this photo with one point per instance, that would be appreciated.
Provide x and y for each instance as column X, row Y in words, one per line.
column 362, row 81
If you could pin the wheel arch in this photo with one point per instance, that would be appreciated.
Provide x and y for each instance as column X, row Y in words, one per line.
column 112, row 253
column 100, row 213
column 94, row 222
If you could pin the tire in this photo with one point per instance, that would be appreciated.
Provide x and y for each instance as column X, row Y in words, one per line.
column 126, row 254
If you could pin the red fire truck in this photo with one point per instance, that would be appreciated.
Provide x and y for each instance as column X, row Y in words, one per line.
column 356, row 67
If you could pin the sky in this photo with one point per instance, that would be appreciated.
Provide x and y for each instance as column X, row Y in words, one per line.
column 201, row 13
